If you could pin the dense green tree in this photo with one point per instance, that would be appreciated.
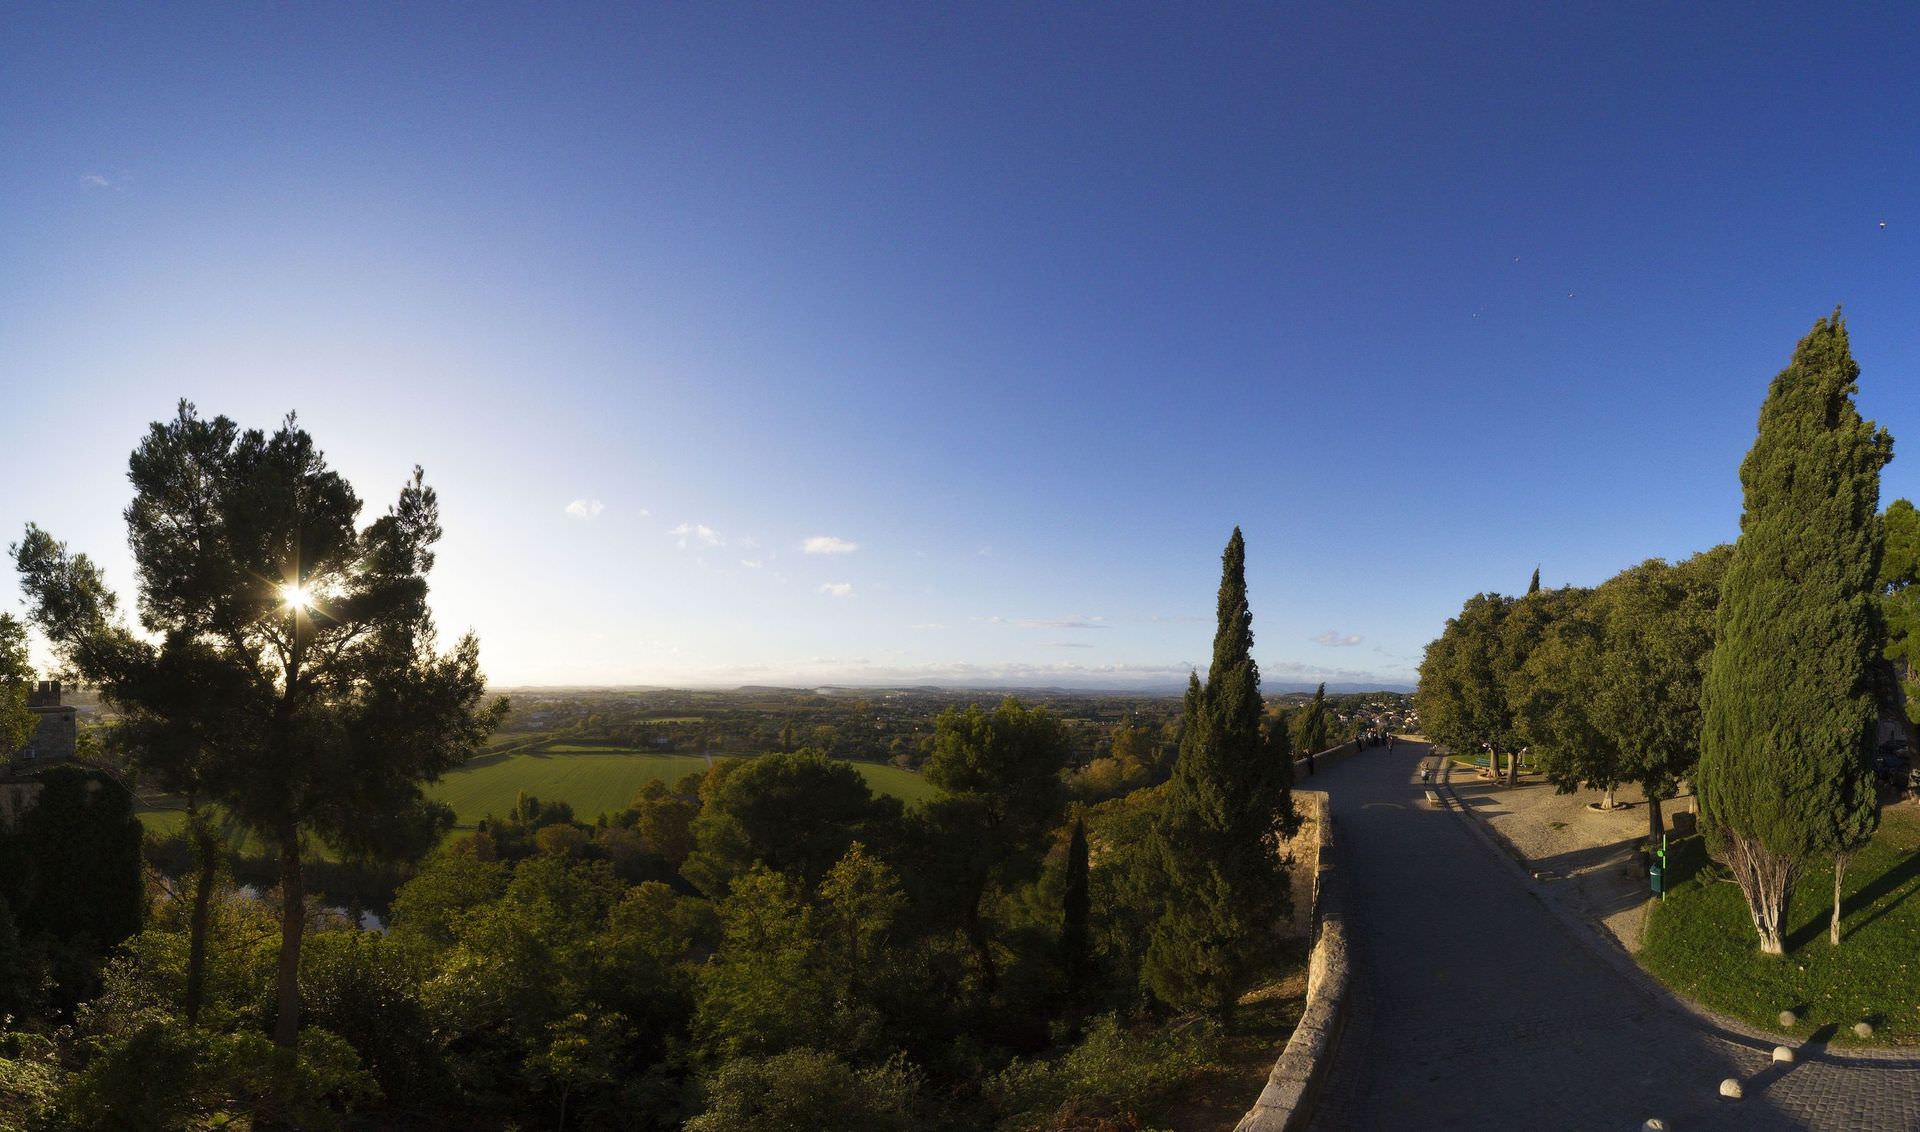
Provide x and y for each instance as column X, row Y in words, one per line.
column 1217, row 837
column 1899, row 583
column 323, row 706
column 1789, row 707
column 1528, row 623
column 1555, row 697
column 794, row 813
column 1659, row 624
column 1463, row 692
column 17, row 723
column 998, row 774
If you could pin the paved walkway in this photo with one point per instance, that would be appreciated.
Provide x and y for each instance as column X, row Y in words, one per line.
column 1474, row 1006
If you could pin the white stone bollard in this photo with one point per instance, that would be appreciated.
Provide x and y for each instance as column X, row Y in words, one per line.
column 1730, row 1089
column 1783, row 1055
column 1788, row 1019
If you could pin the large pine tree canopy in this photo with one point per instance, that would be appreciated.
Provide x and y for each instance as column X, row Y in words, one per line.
column 1789, row 706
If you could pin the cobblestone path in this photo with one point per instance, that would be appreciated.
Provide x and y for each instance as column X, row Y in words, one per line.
column 1474, row 1006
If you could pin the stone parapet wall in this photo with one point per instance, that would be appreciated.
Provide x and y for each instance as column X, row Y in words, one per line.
column 1286, row 1103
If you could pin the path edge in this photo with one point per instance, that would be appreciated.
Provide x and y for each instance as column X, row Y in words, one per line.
column 1286, row 1103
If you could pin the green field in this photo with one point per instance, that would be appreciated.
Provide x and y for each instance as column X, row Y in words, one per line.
column 593, row 780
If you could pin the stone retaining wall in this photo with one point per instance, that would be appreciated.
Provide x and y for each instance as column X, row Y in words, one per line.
column 1286, row 1103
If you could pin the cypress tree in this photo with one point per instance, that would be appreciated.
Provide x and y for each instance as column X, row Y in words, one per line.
column 1217, row 837
column 1788, row 705
column 1313, row 726
column 1533, row 587
column 1075, row 905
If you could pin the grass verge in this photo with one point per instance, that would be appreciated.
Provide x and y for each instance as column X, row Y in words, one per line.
column 1700, row 941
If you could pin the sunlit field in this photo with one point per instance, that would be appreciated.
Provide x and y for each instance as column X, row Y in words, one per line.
column 593, row 780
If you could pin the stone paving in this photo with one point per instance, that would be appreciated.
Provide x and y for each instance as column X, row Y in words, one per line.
column 1474, row 1006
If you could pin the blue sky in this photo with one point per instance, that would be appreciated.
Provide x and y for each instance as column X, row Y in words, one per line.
column 1024, row 306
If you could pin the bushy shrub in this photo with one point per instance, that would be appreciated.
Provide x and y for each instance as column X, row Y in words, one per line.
column 805, row 1090
column 1119, row 1076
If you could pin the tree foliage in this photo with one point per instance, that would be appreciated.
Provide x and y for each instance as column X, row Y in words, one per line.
column 1789, row 708
column 1218, row 832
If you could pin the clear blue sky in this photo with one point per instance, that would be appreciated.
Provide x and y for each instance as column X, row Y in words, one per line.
column 1029, row 303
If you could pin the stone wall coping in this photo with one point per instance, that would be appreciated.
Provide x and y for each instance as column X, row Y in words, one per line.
column 1286, row 1103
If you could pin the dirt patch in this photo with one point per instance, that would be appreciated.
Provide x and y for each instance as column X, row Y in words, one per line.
column 1591, row 855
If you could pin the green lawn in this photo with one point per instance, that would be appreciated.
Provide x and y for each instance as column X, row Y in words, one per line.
column 1701, row 942
column 593, row 780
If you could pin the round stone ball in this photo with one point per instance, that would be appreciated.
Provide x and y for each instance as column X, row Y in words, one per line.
column 1730, row 1088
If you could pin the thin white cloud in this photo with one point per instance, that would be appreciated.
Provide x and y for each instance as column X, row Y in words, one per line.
column 1055, row 623
column 95, row 181
column 751, row 564
column 586, row 509
column 985, row 552
column 1332, row 639
column 837, row 589
column 688, row 534
column 827, row 544
column 1068, row 645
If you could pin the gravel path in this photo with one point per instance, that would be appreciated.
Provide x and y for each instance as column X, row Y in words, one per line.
column 1474, row 1005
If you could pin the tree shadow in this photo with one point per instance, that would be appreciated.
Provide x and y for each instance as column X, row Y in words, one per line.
column 1589, row 870
column 1902, row 881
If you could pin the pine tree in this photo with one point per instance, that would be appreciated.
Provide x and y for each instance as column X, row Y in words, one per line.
column 1217, row 838
column 1788, row 704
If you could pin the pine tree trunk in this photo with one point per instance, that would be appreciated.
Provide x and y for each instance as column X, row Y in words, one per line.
column 1655, row 825
column 1840, row 862
column 293, row 920
column 1608, row 804
column 1513, row 768
column 206, row 871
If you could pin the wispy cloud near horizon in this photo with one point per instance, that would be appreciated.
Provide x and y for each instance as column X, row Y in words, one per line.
column 1332, row 639
column 827, row 544
column 586, row 509
column 837, row 589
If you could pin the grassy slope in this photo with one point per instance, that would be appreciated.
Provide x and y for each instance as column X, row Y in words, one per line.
column 1700, row 940
column 593, row 780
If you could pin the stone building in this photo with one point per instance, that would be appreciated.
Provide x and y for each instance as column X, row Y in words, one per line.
column 59, row 730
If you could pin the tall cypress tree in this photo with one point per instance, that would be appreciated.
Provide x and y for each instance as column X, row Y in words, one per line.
column 1313, row 725
column 1217, row 838
column 1788, row 704
column 1533, row 587
column 1075, row 906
